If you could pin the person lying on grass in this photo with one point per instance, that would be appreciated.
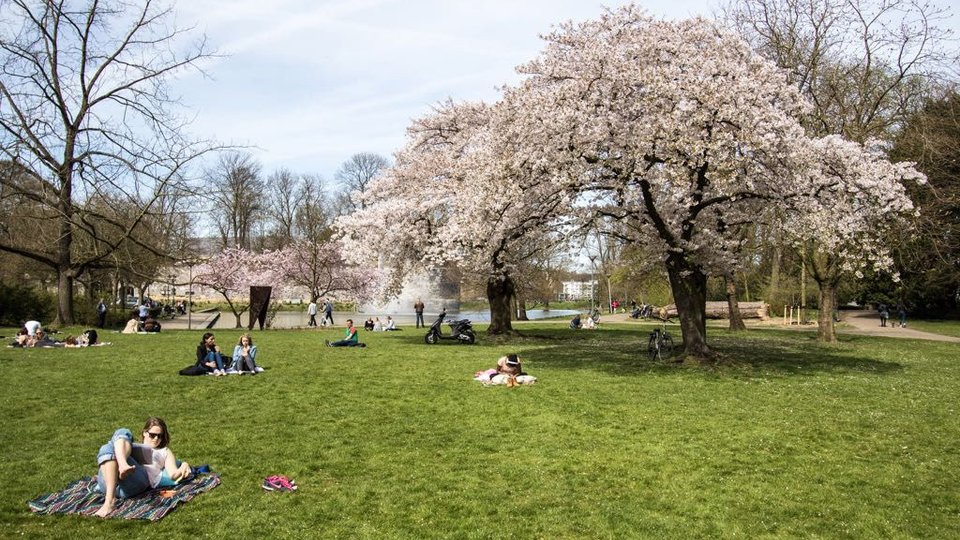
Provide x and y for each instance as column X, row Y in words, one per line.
column 209, row 356
column 508, row 371
column 244, row 355
column 127, row 469
column 39, row 339
column 351, row 340
column 510, row 365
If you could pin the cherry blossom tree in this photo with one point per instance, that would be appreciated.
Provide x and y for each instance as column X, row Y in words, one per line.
column 233, row 271
column 320, row 269
column 677, row 130
column 460, row 193
column 854, row 198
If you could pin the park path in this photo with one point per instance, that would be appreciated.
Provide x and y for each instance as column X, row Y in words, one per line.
column 865, row 323
column 868, row 323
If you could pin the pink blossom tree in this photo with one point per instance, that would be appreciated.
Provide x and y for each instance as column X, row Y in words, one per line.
column 460, row 194
column 854, row 198
column 320, row 268
column 234, row 270
column 677, row 130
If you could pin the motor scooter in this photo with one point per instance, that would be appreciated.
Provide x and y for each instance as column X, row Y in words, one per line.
column 460, row 330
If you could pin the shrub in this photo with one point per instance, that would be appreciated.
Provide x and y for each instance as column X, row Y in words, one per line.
column 19, row 303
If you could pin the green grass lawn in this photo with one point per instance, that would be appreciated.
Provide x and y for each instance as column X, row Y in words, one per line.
column 946, row 328
column 787, row 439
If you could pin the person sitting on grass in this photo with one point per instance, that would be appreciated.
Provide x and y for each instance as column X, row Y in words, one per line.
column 151, row 325
column 127, row 469
column 575, row 323
column 209, row 356
column 244, row 355
column 351, row 340
column 509, row 365
column 368, row 324
column 132, row 327
column 391, row 325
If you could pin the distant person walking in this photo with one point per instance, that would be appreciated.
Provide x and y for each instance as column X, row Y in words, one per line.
column 418, row 309
column 328, row 312
column 101, row 314
column 144, row 310
column 312, row 312
column 902, row 314
column 884, row 315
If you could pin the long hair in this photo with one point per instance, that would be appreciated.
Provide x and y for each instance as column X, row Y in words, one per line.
column 156, row 421
column 249, row 338
column 203, row 340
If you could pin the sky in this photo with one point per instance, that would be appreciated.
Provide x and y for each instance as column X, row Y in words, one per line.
column 305, row 84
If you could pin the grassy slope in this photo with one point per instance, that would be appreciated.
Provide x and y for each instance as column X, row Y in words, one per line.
column 396, row 441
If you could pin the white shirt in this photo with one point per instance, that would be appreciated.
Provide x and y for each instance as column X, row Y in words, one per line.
column 32, row 327
column 152, row 460
column 312, row 308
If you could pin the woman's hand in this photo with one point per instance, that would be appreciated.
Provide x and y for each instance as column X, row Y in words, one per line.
column 182, row 472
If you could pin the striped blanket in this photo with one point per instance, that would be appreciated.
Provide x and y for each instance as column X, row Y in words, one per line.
column 80, row 497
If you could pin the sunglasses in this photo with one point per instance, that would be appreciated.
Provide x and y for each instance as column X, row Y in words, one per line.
column 153, row 435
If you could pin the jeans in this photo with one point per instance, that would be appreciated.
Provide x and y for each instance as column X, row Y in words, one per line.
column 214, row 356
column 134, row 483
column 420, row 319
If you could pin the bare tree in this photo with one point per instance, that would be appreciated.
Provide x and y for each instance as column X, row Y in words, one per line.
column 237, row 198
column 85, row 111
column 282, row 202
column 355, row 175
column 315, row 213
column 865, row 65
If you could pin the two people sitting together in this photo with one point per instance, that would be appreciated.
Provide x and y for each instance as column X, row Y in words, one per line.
column 210, row 359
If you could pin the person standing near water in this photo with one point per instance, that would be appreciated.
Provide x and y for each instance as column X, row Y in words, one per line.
column 418, row 309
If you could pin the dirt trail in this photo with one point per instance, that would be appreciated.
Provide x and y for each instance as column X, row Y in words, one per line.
column 868, row 323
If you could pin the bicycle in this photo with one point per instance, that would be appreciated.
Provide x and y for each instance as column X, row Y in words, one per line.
column 660, row 345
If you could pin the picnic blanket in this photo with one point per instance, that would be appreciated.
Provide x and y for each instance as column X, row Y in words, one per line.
column 80, row 497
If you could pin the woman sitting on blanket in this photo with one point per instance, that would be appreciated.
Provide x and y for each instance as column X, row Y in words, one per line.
column 127, row 469
column 509, row 365
column 244, row 355
column 209, row 356
column 132, row 327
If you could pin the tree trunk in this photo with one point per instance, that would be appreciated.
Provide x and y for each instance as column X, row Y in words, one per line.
column 64, row 297
column 689, row 286
column 733, row 307
column 521, row 308
column 826, row 333
column 499, row 293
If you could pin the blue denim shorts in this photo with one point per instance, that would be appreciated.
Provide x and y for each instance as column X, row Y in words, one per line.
column 134, row 483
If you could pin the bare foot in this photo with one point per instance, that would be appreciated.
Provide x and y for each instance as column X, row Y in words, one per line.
column 104, row 510
column 124, row 470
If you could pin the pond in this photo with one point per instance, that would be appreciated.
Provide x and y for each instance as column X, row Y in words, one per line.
column 296, row 319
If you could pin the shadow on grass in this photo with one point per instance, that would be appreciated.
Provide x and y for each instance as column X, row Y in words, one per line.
column 623, row 351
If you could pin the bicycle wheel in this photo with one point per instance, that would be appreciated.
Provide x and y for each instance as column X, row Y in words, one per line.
column 666, row 345
column 652, row 346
